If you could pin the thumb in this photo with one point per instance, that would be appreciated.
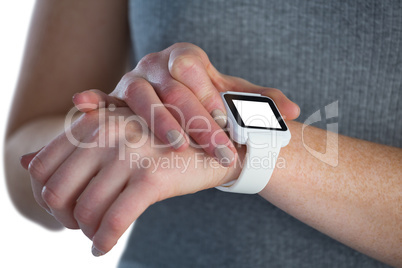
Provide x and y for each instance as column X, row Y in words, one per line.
column 287, row 108
column 96, row 99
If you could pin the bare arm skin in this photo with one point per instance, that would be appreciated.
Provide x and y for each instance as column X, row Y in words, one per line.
column 72, row 46
column 358, row 202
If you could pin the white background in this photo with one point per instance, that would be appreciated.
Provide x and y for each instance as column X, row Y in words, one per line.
column 23, row 243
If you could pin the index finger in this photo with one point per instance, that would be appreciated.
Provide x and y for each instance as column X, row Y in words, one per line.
column 130, row 204
column 188, row 64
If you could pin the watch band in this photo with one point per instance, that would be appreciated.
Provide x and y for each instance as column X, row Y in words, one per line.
column 258, row 165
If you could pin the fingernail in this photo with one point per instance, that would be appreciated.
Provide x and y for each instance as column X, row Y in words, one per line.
column 225, row 155
column 48, row 211
column 28, row 154
column 219, row 117
column 175, row 138
column 26, row 159
column 96, row 252
column 25, row 155
column 74, row 96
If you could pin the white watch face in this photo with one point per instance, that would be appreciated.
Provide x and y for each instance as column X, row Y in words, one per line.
column 255, row 112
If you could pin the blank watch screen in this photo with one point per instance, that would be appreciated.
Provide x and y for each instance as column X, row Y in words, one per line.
column 255, row 112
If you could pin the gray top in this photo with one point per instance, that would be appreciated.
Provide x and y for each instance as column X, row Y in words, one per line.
column 316, row 52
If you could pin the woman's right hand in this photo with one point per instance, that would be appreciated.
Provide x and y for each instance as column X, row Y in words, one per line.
column 177, row 91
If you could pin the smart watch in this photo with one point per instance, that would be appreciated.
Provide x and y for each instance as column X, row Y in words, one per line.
column 254, row 120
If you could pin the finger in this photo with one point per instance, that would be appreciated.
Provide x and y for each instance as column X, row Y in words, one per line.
column 198, row 122
column 288, row 109
column 143, row 100
column 27, row 158
column 97, row 197
column 93, row 99
column 131, row 203
column 45, row 163
column 188, row 64
column 67, row 183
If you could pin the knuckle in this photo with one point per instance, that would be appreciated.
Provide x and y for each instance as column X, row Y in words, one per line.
column 209, row 98
column 149, row 59
column 51, row 198
column 222, row 83
column 200, row 123
column 115, row 223
column 37, row 169
column 131, row 135
column 84, row 214
column 126, row 77
column 200, row 53
column 163, row 120
column 205, row 137
column 133, row 89
column 174, row 95
column 183, row 65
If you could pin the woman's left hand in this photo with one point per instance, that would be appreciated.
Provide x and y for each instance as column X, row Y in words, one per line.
column 104, row 171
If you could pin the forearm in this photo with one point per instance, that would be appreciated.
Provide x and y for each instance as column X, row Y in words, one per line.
column 29, row 138
column 357, row 202
column 70, row 48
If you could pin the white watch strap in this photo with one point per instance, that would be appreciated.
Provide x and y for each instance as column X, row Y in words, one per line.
column 258, row 165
